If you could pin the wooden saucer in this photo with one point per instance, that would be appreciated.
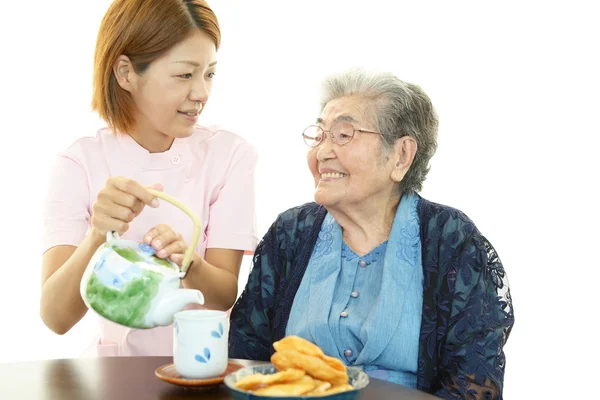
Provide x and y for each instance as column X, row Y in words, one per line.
column 169, row 374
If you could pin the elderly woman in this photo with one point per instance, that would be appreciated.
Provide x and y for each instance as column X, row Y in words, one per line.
column 407, row 289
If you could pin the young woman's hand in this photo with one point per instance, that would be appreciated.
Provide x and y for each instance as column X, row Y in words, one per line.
column 167, row 243
column 118, row 203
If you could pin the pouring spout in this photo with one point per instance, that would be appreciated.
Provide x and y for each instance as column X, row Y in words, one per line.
column 173, row 302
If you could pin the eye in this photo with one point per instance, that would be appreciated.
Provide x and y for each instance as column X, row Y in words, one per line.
column 186, row 76
column 211, row 75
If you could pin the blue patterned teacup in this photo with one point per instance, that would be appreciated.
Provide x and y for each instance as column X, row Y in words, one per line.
column 200, row 343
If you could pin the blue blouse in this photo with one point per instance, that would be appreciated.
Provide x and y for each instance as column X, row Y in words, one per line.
column 362, row 275
column 353, row 315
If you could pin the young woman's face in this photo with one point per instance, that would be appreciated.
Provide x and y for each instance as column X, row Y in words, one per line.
column 170, row 95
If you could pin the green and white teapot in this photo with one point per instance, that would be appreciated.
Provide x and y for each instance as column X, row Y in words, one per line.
column 125, row 282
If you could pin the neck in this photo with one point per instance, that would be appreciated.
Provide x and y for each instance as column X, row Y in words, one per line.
column 368, row 224
column 152, row 140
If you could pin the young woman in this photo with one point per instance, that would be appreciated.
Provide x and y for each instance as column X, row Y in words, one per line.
column 154, row 65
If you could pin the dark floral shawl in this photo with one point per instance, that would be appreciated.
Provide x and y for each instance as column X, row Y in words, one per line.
column 467, row 309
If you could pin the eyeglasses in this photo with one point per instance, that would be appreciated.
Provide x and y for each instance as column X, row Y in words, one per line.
column 341, row 133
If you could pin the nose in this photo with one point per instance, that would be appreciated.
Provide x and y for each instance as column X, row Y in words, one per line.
column 200, row 91
column 325, row 150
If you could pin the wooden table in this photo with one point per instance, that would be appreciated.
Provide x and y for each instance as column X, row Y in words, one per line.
column 129, row 378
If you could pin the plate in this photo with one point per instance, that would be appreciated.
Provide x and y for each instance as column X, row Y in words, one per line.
column 169, row 374
column 356, row 377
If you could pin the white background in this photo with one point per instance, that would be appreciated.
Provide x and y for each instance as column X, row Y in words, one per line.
column 516, row 87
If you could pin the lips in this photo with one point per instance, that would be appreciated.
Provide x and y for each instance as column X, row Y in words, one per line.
column 190, row 113
column 331, row 174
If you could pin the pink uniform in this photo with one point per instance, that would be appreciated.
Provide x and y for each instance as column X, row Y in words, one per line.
column 212, row 172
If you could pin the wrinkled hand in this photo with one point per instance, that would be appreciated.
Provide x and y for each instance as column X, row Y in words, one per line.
column 118, row 203
column 167, row 243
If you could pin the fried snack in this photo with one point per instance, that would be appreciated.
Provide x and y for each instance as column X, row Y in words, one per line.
column 256, row 381
column 335, row 389
column 304, row 346
column 297, row 388
column 281, row 362
column 334, row 363
column 321, row 387
column 299, row 344
column 314, row 366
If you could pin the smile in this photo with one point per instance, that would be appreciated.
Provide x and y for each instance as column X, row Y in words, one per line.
column 190, row 116
column 332, row 176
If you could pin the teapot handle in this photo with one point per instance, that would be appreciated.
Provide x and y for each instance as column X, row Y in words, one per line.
column 187, row 258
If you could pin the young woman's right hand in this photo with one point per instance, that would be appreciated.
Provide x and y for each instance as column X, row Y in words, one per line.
column 118, row 203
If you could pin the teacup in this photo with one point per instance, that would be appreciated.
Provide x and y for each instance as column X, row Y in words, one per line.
column 200, row 343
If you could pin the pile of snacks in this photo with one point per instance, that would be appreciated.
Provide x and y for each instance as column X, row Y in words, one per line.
column 303, row 370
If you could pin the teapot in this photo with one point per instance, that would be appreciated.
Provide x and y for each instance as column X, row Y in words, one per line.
column 126, row 283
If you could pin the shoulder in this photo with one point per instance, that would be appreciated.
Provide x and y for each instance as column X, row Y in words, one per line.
column 296, row 224
column 85, row 149
column 218, row 138
column 91, row 144
column 291, row 237
column 301, row 216
column 445, row 222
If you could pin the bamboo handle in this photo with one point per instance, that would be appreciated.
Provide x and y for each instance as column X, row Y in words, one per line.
column 187, row 258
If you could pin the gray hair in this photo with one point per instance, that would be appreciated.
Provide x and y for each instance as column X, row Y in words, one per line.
column 401, row 109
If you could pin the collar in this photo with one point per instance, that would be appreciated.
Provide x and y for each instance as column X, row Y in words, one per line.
column 178, row 154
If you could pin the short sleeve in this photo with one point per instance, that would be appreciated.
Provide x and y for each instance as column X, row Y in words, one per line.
column 232, row 216
column 66, row 209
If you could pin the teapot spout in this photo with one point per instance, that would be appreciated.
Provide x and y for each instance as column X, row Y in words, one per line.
column 173, row 302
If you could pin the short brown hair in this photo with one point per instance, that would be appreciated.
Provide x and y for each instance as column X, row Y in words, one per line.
column 143, row 30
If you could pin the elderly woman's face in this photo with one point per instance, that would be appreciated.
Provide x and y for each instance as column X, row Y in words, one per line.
column 357, row 171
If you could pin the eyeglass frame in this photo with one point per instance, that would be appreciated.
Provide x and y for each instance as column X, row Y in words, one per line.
column 326, row 131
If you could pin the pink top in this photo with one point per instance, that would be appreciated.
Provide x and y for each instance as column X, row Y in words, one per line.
column 211, row 172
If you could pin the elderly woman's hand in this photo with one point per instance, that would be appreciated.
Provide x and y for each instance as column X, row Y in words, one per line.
column 166, row 243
